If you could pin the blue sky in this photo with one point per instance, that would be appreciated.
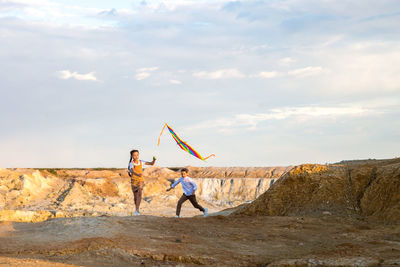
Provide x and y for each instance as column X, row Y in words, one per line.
column 258, row 83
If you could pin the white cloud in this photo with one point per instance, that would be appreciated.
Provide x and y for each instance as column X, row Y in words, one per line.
column 251, row 121
column 142, row 76
column 286, row 61
column 333, row 40
column 267, row 74
column 363, row 65
column 312, row 111
column 66, row 74
column 307, row 71
column 53, row 13
column 219, row 74
column 144, row 73
column 246, row 49
column 148, row 69
column 175, row 82
column 369, row 67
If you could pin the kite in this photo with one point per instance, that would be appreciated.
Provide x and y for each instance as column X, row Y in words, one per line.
column 182, row 144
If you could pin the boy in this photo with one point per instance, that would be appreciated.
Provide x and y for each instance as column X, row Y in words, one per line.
column 135, row 170
column 189, row 188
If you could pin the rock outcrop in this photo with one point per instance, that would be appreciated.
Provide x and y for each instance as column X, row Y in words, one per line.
column 238, row 172
column 30, row 195
column 369, row 189
column 233, row 191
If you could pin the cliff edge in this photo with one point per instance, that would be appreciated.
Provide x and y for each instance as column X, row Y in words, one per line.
column 367, row 189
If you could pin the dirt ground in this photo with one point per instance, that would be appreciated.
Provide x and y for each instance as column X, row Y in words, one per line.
column 315, row 215
column 213, row 241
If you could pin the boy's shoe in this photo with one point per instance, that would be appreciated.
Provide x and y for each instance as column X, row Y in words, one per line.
column 136, row 213
column 176, row 216
column 205, row 212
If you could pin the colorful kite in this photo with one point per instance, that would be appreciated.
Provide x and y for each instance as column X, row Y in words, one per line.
column 182, row 144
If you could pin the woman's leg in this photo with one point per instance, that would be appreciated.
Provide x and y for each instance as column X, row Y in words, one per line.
column 180, row 202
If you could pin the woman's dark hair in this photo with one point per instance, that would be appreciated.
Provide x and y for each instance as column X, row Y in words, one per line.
column 184, row 170
column 132, row 151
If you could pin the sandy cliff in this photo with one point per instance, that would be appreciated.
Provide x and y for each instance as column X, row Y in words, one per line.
column 368, row 189
column 36, row 195
column 235, row 172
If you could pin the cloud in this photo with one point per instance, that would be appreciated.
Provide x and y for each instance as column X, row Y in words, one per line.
column 360, row 61
column 364, row 67
column 149, row 69
column 219, row 74
column 307, row 71
column 110, row 12
column 251, row 121
column 267, row 74
column 144, row 73
column 53, row 13
column 175, row 82
column 286, row 61
column 66, row 74
column 311, row 111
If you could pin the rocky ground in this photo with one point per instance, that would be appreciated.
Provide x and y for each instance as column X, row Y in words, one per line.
column 220, row 240
column 345, row 214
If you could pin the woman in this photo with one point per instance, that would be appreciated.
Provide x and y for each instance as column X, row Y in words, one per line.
column 135, row 170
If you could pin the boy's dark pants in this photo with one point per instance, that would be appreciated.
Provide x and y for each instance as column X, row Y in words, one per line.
column 192, row 200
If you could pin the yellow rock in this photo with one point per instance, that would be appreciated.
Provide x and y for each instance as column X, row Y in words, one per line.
column 25, row 215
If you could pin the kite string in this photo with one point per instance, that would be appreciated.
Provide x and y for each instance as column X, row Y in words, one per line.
column 212, row 155
column 158, row 144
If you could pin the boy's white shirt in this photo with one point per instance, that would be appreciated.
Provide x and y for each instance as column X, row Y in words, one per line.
column 188, row 185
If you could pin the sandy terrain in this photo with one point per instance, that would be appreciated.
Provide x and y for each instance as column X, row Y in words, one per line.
column 345, row 214
column 224, row 241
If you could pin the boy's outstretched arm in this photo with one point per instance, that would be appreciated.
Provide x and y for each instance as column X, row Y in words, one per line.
column 174, row 184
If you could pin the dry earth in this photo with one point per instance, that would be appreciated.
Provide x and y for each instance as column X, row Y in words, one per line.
column 344, row 214
column 219, row 240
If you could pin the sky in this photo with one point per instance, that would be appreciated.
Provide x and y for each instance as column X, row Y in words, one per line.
column 257, row 83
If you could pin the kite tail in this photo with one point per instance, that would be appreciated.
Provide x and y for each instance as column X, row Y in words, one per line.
column 158, row 144
column 212, row 155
